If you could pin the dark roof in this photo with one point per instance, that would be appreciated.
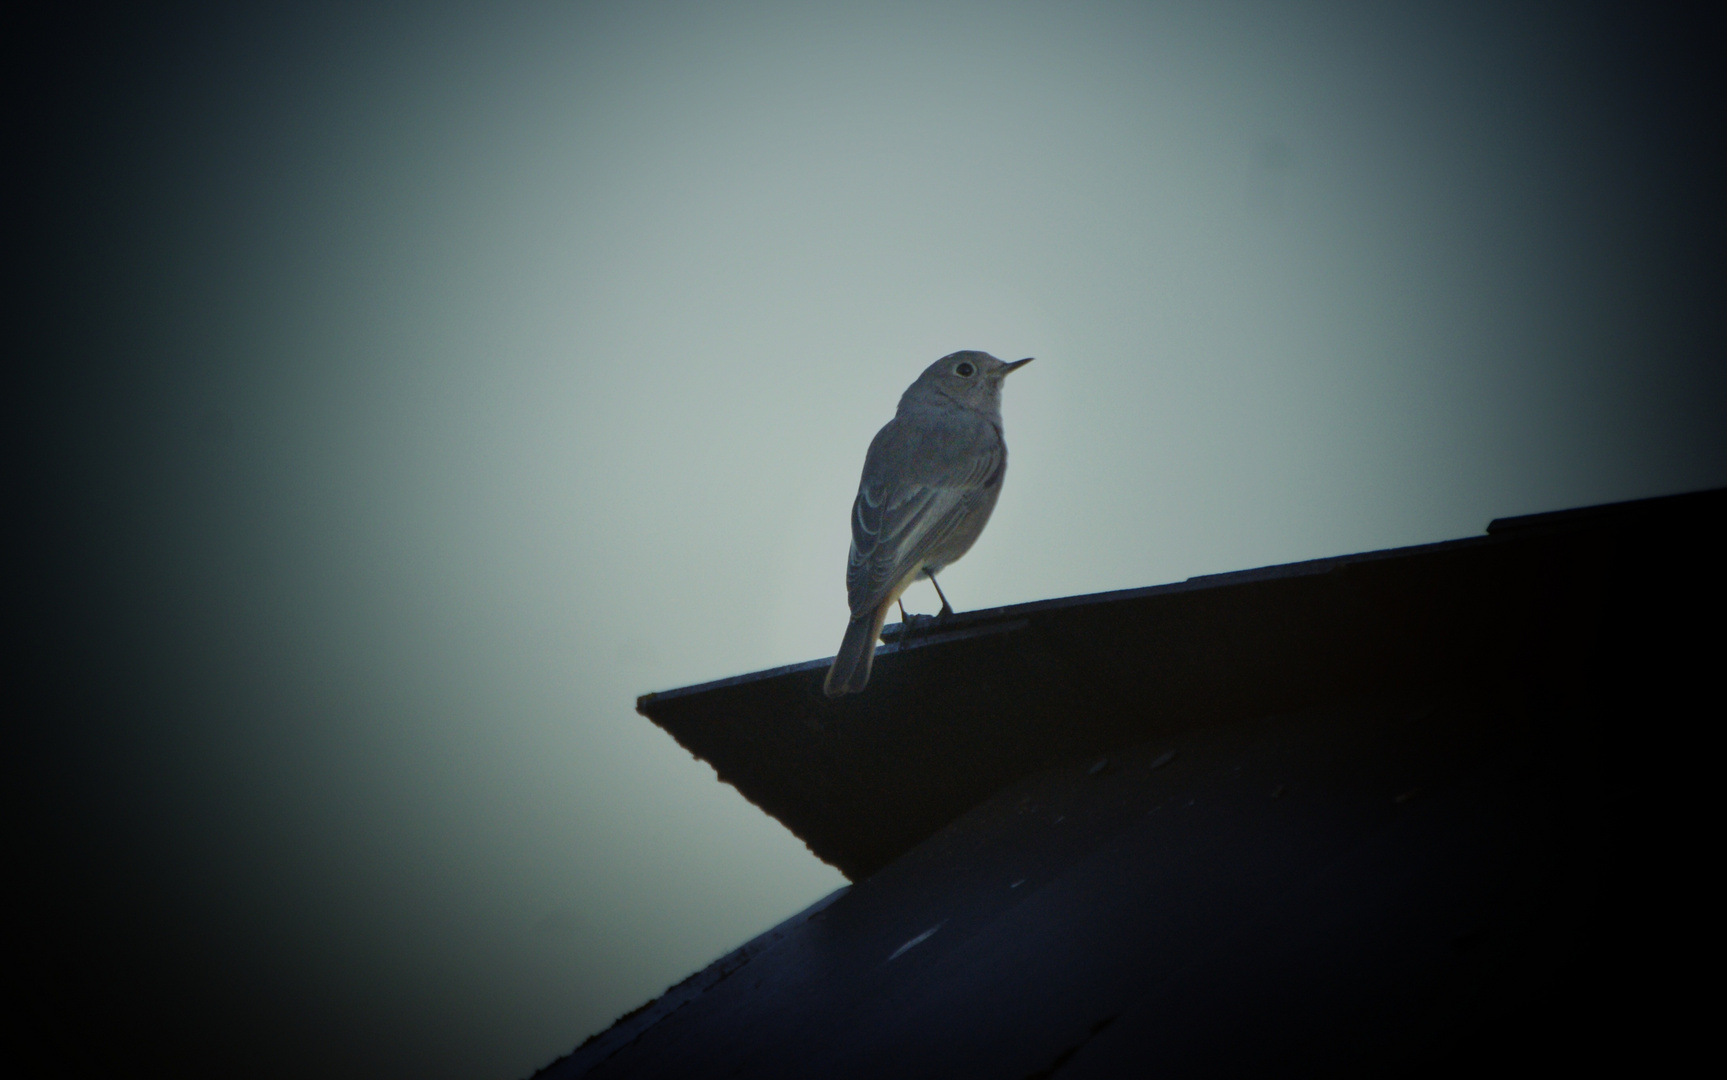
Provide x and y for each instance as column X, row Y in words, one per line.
column 1376, row 812
column 986, row 697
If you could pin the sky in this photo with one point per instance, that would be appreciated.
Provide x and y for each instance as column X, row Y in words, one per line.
column 410, row 387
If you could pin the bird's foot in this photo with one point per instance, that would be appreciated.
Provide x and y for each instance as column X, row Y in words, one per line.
column 914, row 627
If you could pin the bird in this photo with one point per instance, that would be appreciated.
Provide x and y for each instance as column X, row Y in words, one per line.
column 930, row 480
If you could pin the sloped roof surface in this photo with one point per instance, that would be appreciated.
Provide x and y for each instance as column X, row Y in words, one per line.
column 986, row 697
column 1415, row 809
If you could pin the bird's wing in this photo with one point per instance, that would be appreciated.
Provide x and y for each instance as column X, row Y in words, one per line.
column 895, row 525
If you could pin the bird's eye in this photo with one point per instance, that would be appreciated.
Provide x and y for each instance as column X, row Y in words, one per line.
column 966, row 370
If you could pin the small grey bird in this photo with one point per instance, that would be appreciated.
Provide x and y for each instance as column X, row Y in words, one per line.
column 930, row 480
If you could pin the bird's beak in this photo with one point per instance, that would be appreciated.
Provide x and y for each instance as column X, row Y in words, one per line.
column 1006, row 368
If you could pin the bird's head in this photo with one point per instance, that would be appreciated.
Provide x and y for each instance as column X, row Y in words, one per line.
column 969, row 377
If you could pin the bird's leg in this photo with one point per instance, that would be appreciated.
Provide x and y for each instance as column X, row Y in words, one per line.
column 946, row 610
column 904, row 624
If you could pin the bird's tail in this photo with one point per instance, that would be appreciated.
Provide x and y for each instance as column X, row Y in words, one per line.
column 850, row 670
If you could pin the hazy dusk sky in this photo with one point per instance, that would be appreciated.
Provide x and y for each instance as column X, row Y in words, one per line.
column 417, row 385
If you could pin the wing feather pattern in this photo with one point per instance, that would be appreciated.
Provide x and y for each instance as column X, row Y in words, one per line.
column 896, row 525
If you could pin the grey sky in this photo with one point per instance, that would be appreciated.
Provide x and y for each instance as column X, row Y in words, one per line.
column 480, row 369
